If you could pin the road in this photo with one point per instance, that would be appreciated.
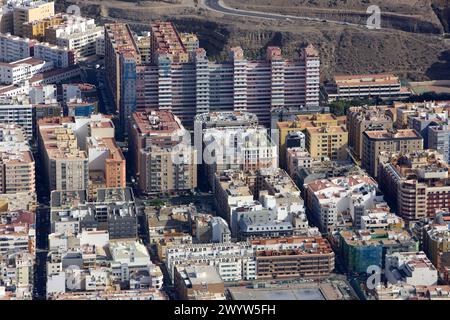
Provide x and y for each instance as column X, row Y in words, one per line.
column 95, row 76
column 219, row 6
column 42, row 231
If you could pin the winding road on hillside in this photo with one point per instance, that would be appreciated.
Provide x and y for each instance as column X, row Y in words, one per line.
column 219, row 6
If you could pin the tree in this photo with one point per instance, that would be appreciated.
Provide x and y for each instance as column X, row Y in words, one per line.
column 157, row 203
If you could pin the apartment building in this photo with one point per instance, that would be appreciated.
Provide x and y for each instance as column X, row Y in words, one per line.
column 14, row 48
column 79, row 99
column 439, row 139
column 36, row 29
column 21, row 70
column 237, row 84
column 423, row 122
column 379, row 217
column 121, row 58
column 416, row 182
column 293, row 257
column 84, row 91
column 327, row 142
column 301, row 123
column 413, row 268
column 225, row 119
column 143, row 43
column 43, row 94
column 19, row 112
column 170, row 226
column 104, row 264
column 233, row 261
column 17, row 166
column 239, row 148
column 6, row 19
column 266, row 202
column 436, row 244
column 186, row 83
column 361, row 249
column 89, row 140
column 111, row 209
column 190, row 41
column 262, row 224
column 298, row 158
column 402, row 112
column 404, row 291
column 232, row 194
column 14, row 238
column 199, row 283
column 66, row 165
column 165, row 39
column 17, row 277
column 374, row 142
column 296, row 139
column 365, row 86
column 164, row 161
column 106, row 161
column 57, row 76
column 60, row 56
column 114, row 294
column 76, row 33
column 28, row 11
column 366, row 118
column 329, row 200
column 20, row 224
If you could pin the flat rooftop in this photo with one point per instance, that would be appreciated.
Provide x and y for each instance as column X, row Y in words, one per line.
column 121, row 38
column 27, row 61
column 198, row 275
column 366, row 79
column 277, row 294
column 156, row 122
column 166, row 38
column 326, row 130
column 398, row 134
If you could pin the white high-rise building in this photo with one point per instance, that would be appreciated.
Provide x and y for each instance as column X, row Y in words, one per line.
column 13, row 48
column 17, row 112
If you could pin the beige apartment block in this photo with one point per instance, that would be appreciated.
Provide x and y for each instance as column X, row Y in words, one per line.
column 163, row 162
column 374, row 142
column 327, row 141
column 30, row 12
column 366, row 118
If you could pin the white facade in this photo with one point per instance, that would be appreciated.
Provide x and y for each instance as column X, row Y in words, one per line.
column 329, row 197
column 80, row 34
column 234, row 261
column 13, row 48
column 297, row 158
column 43, row 94
column 57, row 76
column 412, row 268
column 244, row 148
column 98, row 238
column 220, row 230
column 128, row 257
column 21, row 70
column 100, row 46
column 61, row 56
column 56, row 283
column 20, row 114
column 13, row 242
column 15, row 90
column 379, row 220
